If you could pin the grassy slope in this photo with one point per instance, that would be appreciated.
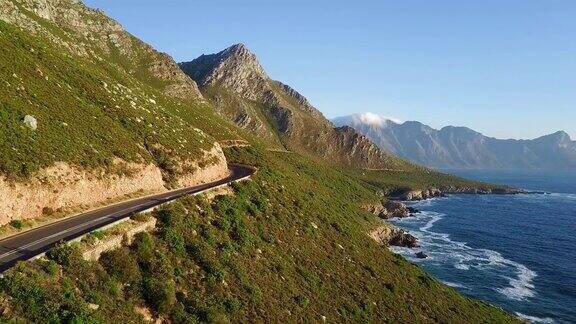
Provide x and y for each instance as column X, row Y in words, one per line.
column 289, row 246
column 88, row 113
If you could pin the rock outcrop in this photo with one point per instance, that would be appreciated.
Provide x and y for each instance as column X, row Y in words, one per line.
column 420, row 194
column 397, row 209
column 125, row 236
column 421, row 255
column 391, row 235
column 31, row 122
column 211, row 167
column 390, row 209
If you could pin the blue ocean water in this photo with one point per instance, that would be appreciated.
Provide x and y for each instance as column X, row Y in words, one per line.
column 515, row 251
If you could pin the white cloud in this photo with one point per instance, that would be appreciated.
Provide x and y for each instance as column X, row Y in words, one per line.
column 374, row 119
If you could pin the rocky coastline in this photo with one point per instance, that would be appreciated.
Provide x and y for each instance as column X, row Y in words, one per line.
column 391, row 209
column 414, row 195
column 388, row 234
column 394, row 207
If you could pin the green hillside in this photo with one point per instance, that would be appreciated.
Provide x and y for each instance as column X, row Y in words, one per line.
column 90, row 113
column 392, row 181
column 289, row 246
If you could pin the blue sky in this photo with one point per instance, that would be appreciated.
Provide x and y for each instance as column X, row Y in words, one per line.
column 505, row 68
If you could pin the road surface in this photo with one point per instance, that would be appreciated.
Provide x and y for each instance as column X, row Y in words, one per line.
column 29, row 244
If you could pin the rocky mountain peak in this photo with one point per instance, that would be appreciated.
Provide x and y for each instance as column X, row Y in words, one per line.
column 235, row 82
column 235, row 68
column 238, row 50
column 562, row 135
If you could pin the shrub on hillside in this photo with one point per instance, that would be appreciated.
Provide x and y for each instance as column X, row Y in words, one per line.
column 121, row 265
column 65, row 254
column 160, row 294
column 17, row 224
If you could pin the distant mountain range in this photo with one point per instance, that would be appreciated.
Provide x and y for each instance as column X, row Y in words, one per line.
column 461, row 147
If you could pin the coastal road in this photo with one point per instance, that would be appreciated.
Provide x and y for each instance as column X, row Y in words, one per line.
column 34, row 242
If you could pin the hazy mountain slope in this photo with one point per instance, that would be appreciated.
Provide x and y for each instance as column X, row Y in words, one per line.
column 98, row 99
column 460, row 147
column 240, row 89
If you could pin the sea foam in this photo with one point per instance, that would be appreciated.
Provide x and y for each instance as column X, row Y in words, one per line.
column 445, row 251
column 534, row 319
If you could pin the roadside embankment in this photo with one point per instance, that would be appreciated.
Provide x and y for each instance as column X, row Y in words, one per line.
column 64, row 189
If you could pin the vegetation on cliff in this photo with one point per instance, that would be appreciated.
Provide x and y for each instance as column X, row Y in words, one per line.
column 392, row 182
column 288, row 246
column 89, row 113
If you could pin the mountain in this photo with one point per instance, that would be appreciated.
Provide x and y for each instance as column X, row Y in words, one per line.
column 463, row 148
column 90, row 34
column 236, row 84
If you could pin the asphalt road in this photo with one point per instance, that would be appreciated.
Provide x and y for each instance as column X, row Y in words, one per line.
column 29, row 244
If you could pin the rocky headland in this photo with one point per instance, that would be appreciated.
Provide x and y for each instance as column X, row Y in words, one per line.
column 414, row 195
column 388, row 234
column 394, row 207
column 390, row 209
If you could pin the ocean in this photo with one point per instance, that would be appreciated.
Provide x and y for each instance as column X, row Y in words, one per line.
column 514, row 251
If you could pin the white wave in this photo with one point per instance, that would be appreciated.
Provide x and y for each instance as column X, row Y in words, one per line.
column 562, row 195
column 546, row 197
column 434, row 218
column 424, row 203
column 461, row 266
column 440, row 248
column 453, row 284
column 534, row 319
column 520, row 287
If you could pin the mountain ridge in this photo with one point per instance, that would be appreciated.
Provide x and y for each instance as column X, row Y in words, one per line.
column 91, row 34
column 457, row 147
column 241, row 90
